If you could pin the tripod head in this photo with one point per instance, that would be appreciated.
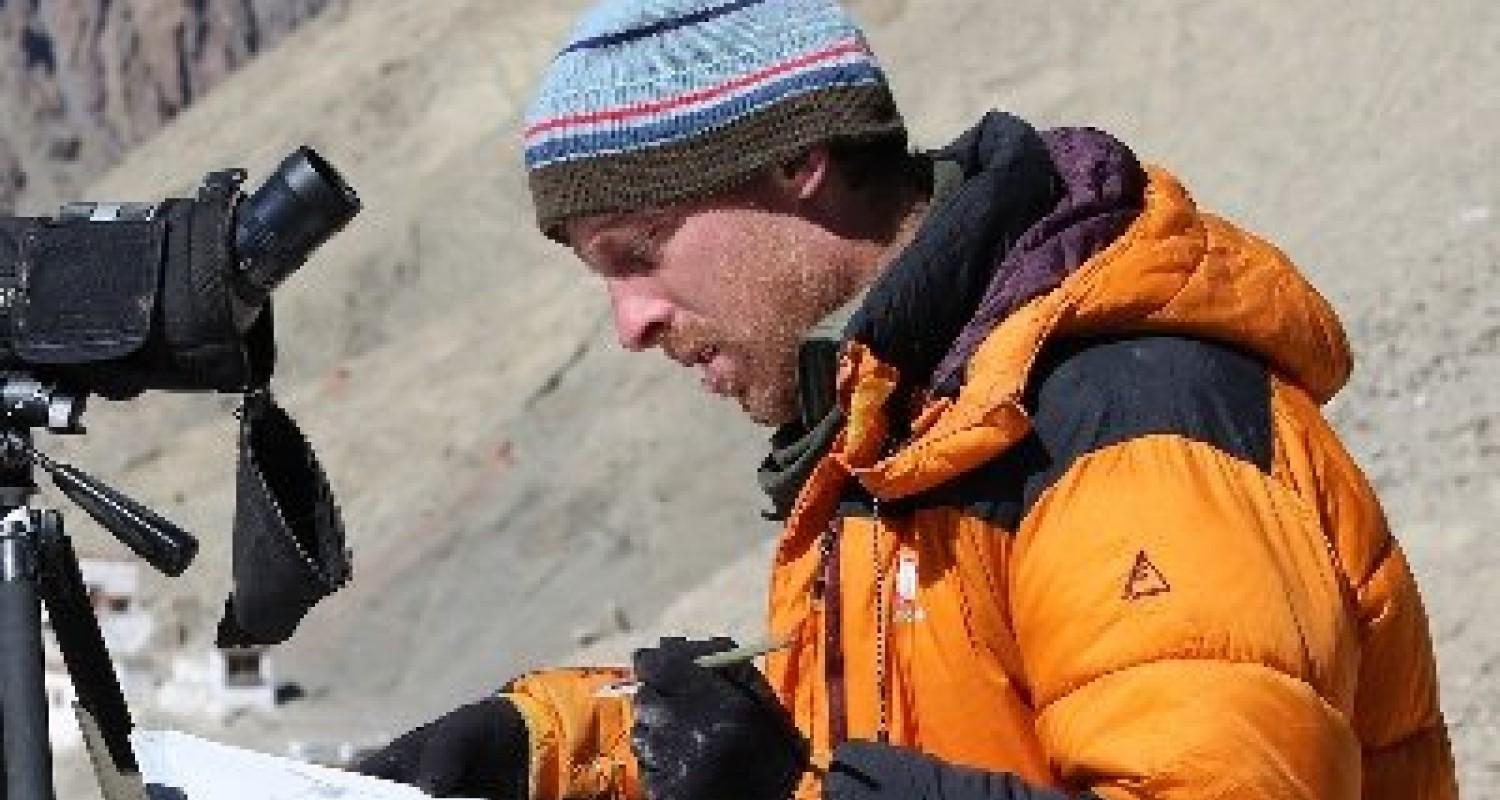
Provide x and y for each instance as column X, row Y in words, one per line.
column 27, row 403
column 38, row 567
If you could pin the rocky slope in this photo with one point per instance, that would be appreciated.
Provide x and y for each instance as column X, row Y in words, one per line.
column 82, row 81
column 514, row 484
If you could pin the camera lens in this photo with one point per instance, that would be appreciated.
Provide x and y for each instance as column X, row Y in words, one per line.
column 294, row 212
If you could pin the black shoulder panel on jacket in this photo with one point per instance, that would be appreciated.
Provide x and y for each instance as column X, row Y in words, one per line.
column 1091, row 395
column 1087, row 395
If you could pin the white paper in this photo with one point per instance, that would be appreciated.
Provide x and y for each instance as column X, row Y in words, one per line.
column 198, row 769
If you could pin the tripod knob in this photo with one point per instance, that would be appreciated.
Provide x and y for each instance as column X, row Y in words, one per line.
column 165, row 546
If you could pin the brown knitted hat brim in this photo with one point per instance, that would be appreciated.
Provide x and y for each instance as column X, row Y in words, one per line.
column 712, row 161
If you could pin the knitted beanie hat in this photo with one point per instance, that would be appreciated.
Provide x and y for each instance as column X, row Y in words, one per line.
column 657, row 101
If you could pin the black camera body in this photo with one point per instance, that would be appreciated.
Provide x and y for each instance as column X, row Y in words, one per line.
column 119, row 298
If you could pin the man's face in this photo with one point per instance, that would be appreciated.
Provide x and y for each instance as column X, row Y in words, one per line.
column 726, row 287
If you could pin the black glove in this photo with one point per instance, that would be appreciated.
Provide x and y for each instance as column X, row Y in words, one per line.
column 477, row 750
column 870, row 771
column 711, row 733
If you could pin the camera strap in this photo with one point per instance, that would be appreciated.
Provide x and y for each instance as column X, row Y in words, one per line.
column 289, row 550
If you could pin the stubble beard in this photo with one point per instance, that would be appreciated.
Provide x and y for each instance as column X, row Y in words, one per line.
column 764, row 358
column 773, row 405
column 768, row 393
column 778, row 306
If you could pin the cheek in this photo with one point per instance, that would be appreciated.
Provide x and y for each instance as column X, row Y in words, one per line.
column 747, row 261
column 715, row 272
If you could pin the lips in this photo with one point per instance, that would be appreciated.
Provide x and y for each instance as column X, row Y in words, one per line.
column 689, row 356
column 712, row 365
column 714, row 373
column 704, row 355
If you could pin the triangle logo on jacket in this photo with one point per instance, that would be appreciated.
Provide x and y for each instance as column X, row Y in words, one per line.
column 1145, row 579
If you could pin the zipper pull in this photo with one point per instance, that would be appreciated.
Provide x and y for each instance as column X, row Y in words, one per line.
column 827, row 541
column 907, row 584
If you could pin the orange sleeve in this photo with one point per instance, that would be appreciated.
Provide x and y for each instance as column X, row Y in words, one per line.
column 1184, row 631
column 1396, row 714
column 1407, row 752
column 580, row 742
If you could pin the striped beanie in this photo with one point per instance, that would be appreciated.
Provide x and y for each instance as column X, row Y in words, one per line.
column 657, row 101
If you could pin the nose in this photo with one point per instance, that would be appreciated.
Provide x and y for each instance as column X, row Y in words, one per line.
column 641, row 312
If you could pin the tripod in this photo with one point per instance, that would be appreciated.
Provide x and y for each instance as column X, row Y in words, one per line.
column 38, row 566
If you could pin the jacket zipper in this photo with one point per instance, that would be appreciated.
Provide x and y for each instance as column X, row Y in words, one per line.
column 828, row 590
column 882, row 634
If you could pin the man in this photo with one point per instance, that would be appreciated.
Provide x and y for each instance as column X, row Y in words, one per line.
column 1062, row 516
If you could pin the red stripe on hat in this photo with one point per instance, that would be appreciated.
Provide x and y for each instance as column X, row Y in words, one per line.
column 656, row 106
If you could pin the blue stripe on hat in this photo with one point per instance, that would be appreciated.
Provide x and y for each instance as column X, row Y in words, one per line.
column 656, row 131
column 660, row 26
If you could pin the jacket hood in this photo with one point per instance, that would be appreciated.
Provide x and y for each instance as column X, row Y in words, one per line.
column 1174, row 269
column 923, row 301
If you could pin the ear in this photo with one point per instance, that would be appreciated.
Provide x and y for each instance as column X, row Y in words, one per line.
column 805, row 176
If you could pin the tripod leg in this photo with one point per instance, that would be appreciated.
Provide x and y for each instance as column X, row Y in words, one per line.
column 82, row 644
column 23, row 693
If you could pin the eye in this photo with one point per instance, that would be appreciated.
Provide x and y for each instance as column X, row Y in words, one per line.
column 642, row 251
column 617, row 258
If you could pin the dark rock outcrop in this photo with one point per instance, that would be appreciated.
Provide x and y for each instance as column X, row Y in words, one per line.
column 81, row 81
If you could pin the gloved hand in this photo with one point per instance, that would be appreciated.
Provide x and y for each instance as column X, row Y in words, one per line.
column 477, row 750
column 711, row 733
column 871, row 771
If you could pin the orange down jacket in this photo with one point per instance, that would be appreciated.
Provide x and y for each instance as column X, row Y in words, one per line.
column 1128, row 556
column 1197, row 595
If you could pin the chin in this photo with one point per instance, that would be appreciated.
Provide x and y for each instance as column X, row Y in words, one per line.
column 766, row 420
column 769, row 412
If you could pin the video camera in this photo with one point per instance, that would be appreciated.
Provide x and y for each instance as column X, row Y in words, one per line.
column 116, row 299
